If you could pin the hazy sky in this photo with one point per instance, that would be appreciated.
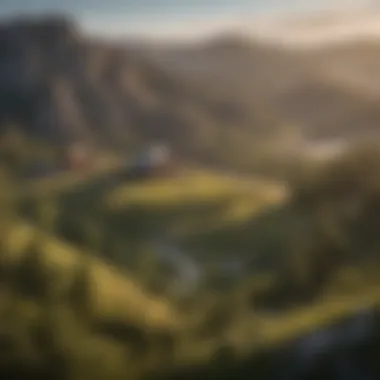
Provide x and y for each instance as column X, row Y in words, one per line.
column 165, row 17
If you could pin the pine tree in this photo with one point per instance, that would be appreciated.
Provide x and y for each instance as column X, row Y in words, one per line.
column 80, row 295
column 47, row 213
column 93, row 235
column 31, row 277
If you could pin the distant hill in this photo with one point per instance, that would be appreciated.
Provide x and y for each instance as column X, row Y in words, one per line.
column 219, row 102
column 328, row 91
column 61, row 86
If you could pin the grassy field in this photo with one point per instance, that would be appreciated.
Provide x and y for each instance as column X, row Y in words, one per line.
column 196, row 202
column 87, row 232
column 191, row 209
column 115, row 299
column 112, row 292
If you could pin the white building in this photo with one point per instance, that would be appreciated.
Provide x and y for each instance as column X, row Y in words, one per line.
column 154, row 156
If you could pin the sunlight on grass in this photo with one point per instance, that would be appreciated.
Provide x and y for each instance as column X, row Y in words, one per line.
column 321, row 314
column 68, row 180
column 247, row 206
column 115, row 295
column 273, row 330
column 239, row 199
column 190, row 189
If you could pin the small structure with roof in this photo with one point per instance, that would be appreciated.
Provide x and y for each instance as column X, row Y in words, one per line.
column 156, row 160
column 78, row 157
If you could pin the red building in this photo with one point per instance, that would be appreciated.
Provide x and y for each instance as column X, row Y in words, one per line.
column 78, row 157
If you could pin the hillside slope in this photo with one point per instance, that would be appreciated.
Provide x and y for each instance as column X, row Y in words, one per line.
column 62, row 86
column 113, row 291
column 329, row 91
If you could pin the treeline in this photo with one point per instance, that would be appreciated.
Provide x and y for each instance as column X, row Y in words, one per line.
column 337, row 211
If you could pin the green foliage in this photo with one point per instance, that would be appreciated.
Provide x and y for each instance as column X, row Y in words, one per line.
column 147, row 265
column 8, row 200
column 14, row 149
column 79, row 295
column 31, row 275
column 47, row 213
column 305, row 247
column 93, row 235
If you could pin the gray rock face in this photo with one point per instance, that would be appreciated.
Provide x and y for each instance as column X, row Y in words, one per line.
column 344, row 344
column 58, row 84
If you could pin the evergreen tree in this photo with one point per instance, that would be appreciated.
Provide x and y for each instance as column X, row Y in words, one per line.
column 31, row 277
column 80, row 292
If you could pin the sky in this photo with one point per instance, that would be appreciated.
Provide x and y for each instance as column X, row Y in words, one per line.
column 167, row 18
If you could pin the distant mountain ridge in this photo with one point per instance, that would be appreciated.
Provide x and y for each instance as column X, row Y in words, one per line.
column 61, row 86
column 321, row 28
column 329, row 92
column 218, row 102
